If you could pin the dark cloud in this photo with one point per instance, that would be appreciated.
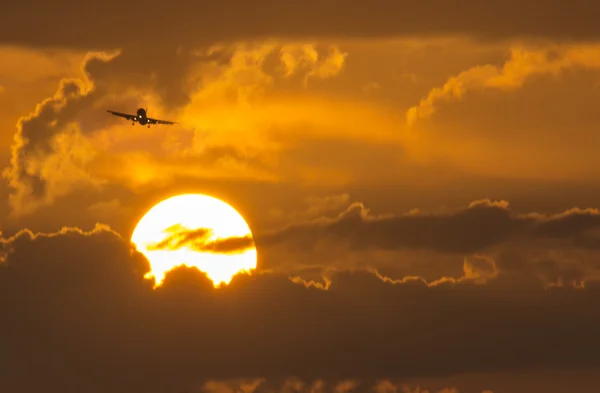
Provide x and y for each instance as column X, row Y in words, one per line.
column 198, row 239
column 155, row 24
column 480, row 226
column 76, row 309
column 142, row 68
column 574, row 222
column 228, row 245
column 178, row 237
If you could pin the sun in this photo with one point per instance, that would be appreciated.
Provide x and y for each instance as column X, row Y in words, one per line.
column 199, row 231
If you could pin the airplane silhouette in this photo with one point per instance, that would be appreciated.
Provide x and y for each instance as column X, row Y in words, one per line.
column 141, row 118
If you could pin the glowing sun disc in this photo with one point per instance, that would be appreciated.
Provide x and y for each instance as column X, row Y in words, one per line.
column 199, row 231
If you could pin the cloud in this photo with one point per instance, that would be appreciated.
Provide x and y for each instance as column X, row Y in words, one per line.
column 179, row 237
column 295, row 56
column 49, row 151
column 218, row 94
column 480, row 268
column 475, row 228
column 26, row 65
column 478, row 227
column 201, row 240
column 79, row 298
column 371, row 87
column 321, row 205
column 296, row 385
column 317, row 206
column 229, row 245
column 524, row 64
column 217, row 22
column 476, row 243
column 106, row 209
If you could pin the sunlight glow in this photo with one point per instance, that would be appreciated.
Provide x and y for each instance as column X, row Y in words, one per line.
column 199, row 231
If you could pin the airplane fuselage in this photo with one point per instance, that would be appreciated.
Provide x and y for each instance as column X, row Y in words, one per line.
column 141, row 116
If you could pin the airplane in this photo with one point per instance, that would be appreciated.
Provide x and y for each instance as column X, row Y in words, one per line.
column 141, row 118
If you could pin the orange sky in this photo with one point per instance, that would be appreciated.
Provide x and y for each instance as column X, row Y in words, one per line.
column 421, row 180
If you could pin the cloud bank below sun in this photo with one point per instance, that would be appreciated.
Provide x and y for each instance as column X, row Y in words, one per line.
column 186, row 328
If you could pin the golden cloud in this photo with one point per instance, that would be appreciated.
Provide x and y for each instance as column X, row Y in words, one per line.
column 245, row 113
column 296, row 57
column 524, row 63
column 237, row 124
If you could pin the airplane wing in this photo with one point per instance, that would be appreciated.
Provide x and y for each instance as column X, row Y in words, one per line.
column 125, row 115
column 157, row 121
